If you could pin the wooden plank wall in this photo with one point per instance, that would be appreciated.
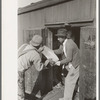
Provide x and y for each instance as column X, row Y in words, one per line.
column 70, row 11
column 23, row 23
column 75, row 10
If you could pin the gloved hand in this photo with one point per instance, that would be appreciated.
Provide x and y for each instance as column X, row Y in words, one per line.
column 68, row 66
column 57, row 63
column 51, row 62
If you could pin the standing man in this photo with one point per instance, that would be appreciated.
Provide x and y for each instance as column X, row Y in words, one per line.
column 28, row 56
column 71, row 62
column 60, row 53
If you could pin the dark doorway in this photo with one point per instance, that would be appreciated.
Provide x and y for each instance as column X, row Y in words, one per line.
column 55, row 43
column 57, row 78
column 76, row 35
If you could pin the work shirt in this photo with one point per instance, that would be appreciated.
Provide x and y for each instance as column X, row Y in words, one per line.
column 24, row 61
column 60, row 52
column 72, row 52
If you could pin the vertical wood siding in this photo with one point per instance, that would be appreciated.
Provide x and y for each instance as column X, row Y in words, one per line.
column 37, row 19
column 88, row 64
column 69, row 11
column 23, row 23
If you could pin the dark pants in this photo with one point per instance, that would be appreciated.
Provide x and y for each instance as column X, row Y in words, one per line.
column 44, row 82
column 57, row 74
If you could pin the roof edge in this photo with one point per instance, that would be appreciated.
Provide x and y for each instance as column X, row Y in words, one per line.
column 40, row 5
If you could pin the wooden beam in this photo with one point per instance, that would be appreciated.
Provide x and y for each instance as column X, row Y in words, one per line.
column 80, row 23
column 55, row 25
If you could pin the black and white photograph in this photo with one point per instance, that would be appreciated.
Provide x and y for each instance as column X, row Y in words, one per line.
column 57, row 50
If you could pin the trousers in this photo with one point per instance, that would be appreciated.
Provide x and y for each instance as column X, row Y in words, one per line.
column 70, row 82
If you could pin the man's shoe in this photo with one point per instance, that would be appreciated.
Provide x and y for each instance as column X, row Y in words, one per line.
column 27, row 96
column 30, row 96
column 33, row 97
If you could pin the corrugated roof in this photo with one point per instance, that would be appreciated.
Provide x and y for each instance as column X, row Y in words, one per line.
column 40, row 5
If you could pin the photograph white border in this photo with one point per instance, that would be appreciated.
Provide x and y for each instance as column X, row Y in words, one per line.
column 97, row 49
column 9, row 49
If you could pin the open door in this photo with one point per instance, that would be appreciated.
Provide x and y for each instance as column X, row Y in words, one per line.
column 76, row 35
column 47, row 37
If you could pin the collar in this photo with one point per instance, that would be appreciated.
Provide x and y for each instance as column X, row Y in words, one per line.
column 65, row 41
column 30, row 47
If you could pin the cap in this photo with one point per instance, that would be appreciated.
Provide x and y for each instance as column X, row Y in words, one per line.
column 36, row 40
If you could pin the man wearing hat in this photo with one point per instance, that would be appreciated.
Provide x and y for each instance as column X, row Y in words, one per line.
column 60, row 33
column 28, row 56
column 71, row 62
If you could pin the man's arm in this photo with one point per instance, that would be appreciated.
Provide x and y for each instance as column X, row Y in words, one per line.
column 59, row 51
column 69, row 52
column 21, row 89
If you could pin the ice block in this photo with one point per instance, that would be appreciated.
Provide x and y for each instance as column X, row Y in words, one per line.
column 49, row 54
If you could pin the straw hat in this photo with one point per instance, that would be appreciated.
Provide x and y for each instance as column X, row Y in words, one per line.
column 61, row 33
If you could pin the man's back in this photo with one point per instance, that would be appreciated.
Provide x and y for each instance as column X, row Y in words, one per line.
column 26, row 59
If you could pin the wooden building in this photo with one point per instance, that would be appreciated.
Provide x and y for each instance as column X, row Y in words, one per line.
column 47, row 16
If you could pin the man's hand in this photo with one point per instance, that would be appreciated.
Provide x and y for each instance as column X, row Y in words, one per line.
column 67, row 67
column 57, row 63
column 51, row 62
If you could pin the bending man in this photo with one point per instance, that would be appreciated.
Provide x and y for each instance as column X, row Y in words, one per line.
column 29, row 57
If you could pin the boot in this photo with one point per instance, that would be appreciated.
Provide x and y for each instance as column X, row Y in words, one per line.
column 30, row 96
